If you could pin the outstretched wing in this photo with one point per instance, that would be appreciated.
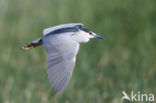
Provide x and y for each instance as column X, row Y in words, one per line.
column 62, row 51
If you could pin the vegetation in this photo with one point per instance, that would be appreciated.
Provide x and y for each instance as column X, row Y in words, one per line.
column 125, row 61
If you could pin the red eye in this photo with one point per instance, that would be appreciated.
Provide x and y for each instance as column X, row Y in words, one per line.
column 90, row 33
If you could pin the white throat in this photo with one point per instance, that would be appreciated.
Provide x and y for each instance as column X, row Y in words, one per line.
column 81, row 37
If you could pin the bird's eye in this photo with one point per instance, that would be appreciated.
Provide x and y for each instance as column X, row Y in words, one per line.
column 90, row 33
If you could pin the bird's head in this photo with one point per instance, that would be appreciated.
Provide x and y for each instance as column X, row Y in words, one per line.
column 83, row 35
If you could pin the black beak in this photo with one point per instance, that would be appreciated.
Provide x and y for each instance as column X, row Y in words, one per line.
column 99, row 37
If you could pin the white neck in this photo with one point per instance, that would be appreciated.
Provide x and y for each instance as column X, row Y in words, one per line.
column 81, row 37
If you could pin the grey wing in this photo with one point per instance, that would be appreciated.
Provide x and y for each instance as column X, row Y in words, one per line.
column 61, row 60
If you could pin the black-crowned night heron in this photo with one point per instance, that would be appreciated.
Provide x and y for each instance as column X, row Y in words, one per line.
column 62, row 44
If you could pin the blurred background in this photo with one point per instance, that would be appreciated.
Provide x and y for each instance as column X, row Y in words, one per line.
column 125, row 61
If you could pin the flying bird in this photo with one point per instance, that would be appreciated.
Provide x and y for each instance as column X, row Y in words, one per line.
column 62, row 43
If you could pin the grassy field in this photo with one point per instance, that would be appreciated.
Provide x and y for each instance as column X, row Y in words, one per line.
column 125, row 61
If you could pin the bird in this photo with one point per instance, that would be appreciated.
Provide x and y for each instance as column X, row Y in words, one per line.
column 62, row 44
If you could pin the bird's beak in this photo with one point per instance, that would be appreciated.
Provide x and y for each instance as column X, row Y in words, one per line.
column 99, row 37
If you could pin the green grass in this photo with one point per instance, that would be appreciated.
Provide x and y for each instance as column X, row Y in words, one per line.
column 126, row 60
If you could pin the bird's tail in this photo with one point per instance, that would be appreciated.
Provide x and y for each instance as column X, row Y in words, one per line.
column 33, row 44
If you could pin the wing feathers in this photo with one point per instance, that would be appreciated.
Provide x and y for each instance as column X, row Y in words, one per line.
column 62, row 52
column 64, row 82
column 59, row 78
